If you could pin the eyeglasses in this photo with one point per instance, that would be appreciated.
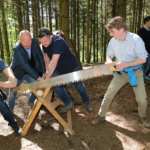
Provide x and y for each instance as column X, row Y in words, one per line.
column 42, row 34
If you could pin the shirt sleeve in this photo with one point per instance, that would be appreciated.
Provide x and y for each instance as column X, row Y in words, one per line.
column 3, row 65
column 140, row 50
column 110, row 52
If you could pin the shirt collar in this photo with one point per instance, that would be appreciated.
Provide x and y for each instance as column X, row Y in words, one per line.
column 28, row 48
column 146, row 28
column 127, row 37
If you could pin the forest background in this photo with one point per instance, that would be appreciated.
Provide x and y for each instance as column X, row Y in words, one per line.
column 83, row 23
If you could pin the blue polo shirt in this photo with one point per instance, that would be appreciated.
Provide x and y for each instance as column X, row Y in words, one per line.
column 3, row 65
column 67, row 60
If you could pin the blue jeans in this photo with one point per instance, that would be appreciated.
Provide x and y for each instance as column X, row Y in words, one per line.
column 12, row 95
column 63, row 94
column 146, row 66
column 6, row 112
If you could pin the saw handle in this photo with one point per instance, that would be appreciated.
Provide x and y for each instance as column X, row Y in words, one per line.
column 113, row 68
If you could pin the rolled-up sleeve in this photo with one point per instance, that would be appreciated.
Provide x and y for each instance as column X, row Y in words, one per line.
column 110, row 49
column 140, row 50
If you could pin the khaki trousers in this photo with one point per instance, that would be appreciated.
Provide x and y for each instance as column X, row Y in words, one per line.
column 117, row 82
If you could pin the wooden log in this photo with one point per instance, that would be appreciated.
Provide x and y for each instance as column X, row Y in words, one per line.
column 39, row 92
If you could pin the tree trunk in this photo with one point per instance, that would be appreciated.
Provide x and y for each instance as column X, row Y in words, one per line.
column 60, row 15
column 122, row 8
column 102, row 34
column 74, row 22
column 135, row 27
column 39, row 17
column 83, row 15
column 114, row 8
column 19, row 15
column 42, row 13
column 50, row 17
column 105, row 39
column 5, row 31
column 94, row 14
column 35, row 18
column 33, row 21
column 97, row 30
column 87, row 30
column 56, row 17
column 133, row 16
column 71, row 21
column 139, row 14
column 27, row 16
column 24, row 17
column 78, row 29
column 65, row 18
column 1, row 45
column 72, row 46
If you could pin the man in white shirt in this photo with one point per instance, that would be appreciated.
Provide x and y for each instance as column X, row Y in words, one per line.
column 129, row 51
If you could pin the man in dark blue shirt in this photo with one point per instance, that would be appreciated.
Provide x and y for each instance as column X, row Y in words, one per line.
column 4, row 109
column 144, row 33
column 62, row 61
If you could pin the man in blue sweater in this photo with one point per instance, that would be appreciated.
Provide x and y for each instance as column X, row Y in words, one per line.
column 144, row 33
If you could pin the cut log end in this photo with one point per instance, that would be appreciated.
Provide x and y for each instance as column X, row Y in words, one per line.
column 39, row 92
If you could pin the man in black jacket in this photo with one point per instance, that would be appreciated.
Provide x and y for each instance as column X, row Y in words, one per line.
column 144, row 33
column 24, row 64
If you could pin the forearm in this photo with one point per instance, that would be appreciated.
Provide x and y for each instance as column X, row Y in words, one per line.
column 108, row 59
column 2, row 84
column 52, row 67
column 136, row 62
column 8, row 72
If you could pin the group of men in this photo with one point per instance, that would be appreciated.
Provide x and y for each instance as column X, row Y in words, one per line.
column 127, row 48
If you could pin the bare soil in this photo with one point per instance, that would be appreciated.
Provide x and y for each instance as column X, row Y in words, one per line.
column 122, row 130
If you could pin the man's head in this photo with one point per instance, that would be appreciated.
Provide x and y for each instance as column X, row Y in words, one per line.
column 117, row 27
column 45, row 36
column 146, row 21
column 60, row 33
column 25, row 38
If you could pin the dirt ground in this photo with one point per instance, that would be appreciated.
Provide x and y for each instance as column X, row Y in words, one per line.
column 122, row 130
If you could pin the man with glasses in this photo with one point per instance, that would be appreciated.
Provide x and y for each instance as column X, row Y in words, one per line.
column 24, row 64
column 62, row 61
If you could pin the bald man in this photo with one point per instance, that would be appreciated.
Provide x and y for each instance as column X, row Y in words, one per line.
column 26, row 53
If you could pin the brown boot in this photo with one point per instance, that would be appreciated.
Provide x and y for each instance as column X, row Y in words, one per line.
column 98, row 120
column 145, row 122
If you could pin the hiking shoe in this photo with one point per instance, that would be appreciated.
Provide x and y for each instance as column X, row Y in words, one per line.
column 147, row 78
column 67, row 107
column 17, row 129
column 88, row 106
column 98, row 120
column 145, row 122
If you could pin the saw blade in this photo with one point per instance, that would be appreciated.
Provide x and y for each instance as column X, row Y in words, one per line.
column 73, row 77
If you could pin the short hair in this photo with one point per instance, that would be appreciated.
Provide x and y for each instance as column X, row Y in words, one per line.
column 146, row 19
column 43, row 31
column 117, row 23
column 60, row 33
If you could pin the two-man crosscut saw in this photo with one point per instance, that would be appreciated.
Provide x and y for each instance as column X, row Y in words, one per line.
column 67, row 78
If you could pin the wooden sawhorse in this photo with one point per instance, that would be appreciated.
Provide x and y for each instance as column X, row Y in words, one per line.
column 45, row 100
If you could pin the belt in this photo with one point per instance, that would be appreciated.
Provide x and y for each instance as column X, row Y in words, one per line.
column 133, row 70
